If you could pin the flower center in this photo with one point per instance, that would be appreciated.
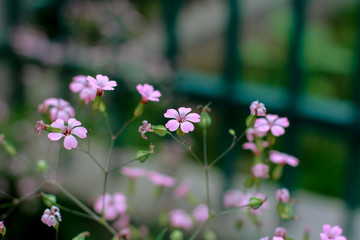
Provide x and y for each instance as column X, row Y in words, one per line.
column 180, row 119
column 67, row 131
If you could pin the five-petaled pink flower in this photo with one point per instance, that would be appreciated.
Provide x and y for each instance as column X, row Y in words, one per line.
column 146, row 127
column 180, row 219
column 283, row 158
column 257, row 109
column 260, row 170
column 161, row 179
column 182, row 190
column 133, row 173
column 283, row 195
column 182, row 119
column 68, row 131
column 82, row 85
column 114, row 205
column 51, row 217
column 331, row 233
column 148, row 93
column 58, row 109
column 232, row 198
column 201, row 213
column 272, row 123
column 101, row 83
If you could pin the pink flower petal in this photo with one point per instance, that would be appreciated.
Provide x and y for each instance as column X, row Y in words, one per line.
column 55, row 136
column 283, row 122
column 260, row 122
column 102, row 78
column 70, row 142
column 59, row 123
column 172, row 125
column 171, row 113
column 76, row 86
column 183, row 111
column 186, row 127
column 277, row 131
column 72, row 122
column 79, row 131
column 193, row 117
column 271, row 117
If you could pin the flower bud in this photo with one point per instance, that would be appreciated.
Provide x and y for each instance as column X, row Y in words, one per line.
column 97, row 103
column 160, row 130
column 205, row 120
column 209, row 235
column 143, row 155
column 255, row 202
column 49, row 199
column 42, row 166
column 2, row 229
column 81, row 236
column 250, row 121
column 285, row 211
column 176, row 235
column 232, row 132
column 139, row 110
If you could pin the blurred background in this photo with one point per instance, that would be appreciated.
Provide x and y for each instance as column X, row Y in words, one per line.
column 301, row 58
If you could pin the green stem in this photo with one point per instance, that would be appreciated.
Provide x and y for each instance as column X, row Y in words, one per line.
column 206, row 168
column 58, row 162
column 90, row 130
column 123, row 127
column 57, row 233
column 91, row 156
column 187, row 148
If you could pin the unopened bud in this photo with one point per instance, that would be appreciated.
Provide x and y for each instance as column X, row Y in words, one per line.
column 49, row 199
column 2, row 229
column 81, row 236
column 176, row 235
column 232, row 132
column 209, row 235
column 8, row 148
column 97, row 103
column 139, row 110
column 256, row 203
column 205, row 120
column 160, row 130
column 42, row 166
column 143, row 155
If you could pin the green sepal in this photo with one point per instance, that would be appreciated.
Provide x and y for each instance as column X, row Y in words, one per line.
column 277, row 172
column 285, row 211
column 160, row 130
column 249, row 182
column 205, row 120
column 250, row 121
column 49, row 199
column 139, row 109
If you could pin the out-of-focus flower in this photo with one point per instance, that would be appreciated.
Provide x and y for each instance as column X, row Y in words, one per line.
column 161, row 179
column 201, row 213
column 51, row 217
column 283, row 195
column 125, row 234
column 274, row 238
column 148, row 93
column 58, row 109
column 2, row 227
column 101, row 83
column 182, row 190
column 133, row 173
column 235, row 198
column 232, row 198
column 280, row 232
column 257, row 109
column 146, row 127
column 283, row 158
column 180, row 219
column 68, row 131
column 122, row 222
column 82, row 85
column 114, row 205
column 252, row 147
column 272, row 123
column 40, row 125
column 260, row 170
column 182, row 119
column 251, row 133
column 331, row 233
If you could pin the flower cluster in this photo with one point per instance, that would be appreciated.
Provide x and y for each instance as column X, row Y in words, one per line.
column 51, row 217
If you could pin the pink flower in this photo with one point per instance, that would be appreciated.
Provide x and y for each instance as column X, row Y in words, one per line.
column 180, row 219
column 161, row 179
column 280, row 232
column 58, row 109
column 272, row 123
column 114, row 205
column 101, row 83
column 252, row 146
column 182, row 119
column 40, row 125
column 201, row 213
column 283, row 158
column 82, row 85
column 182, row 190
column 146, row 127
column 147, row 92
column 283, row 195
column 51, row 217
column 260, row 170
column 2, row 226
column 274, row 238
column 252, row 133
column 125, row 234
column 257, row 109
column 133, row 173
column 331, row 233
column 68, row 131
column 232, row 198
column 122, row 222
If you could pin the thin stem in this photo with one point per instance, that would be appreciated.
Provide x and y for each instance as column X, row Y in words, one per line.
column 234, row 142
column 187, row 148
column 91, row 156
column 122, row 165
column 90, row 130
column 17, row 156
column 57, row 233
column 106, row 172
column 123, row 127
column 108, row 124
column 58, row 162
column 206, row 168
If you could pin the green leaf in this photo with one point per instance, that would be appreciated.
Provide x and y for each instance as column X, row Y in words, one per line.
column 161, row 235
column 81, row 236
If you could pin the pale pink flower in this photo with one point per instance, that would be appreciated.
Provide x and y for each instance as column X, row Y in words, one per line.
column 182, row 190
column 161, row 179
column 201, row 213
column 232, row 198
column 58, row 109
column 114, row 205
column 252, row 147
column 182, row 119
column 331, row 233
column 260, row 170
column 82, row 85
column 125, row 234
column 148, row 93
column 122, row 222
column 180, row 219
column 280, row 232
column 252, row 133
column 68, row 131
column 40, row 125
column 283, row 158
column 133, row 173
column 272, row 123
column 2, row 226
column 274, row 238
column 146, row 127
column 257, row 109
column 283, row 195
column 101, row 83
column 51, row 217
